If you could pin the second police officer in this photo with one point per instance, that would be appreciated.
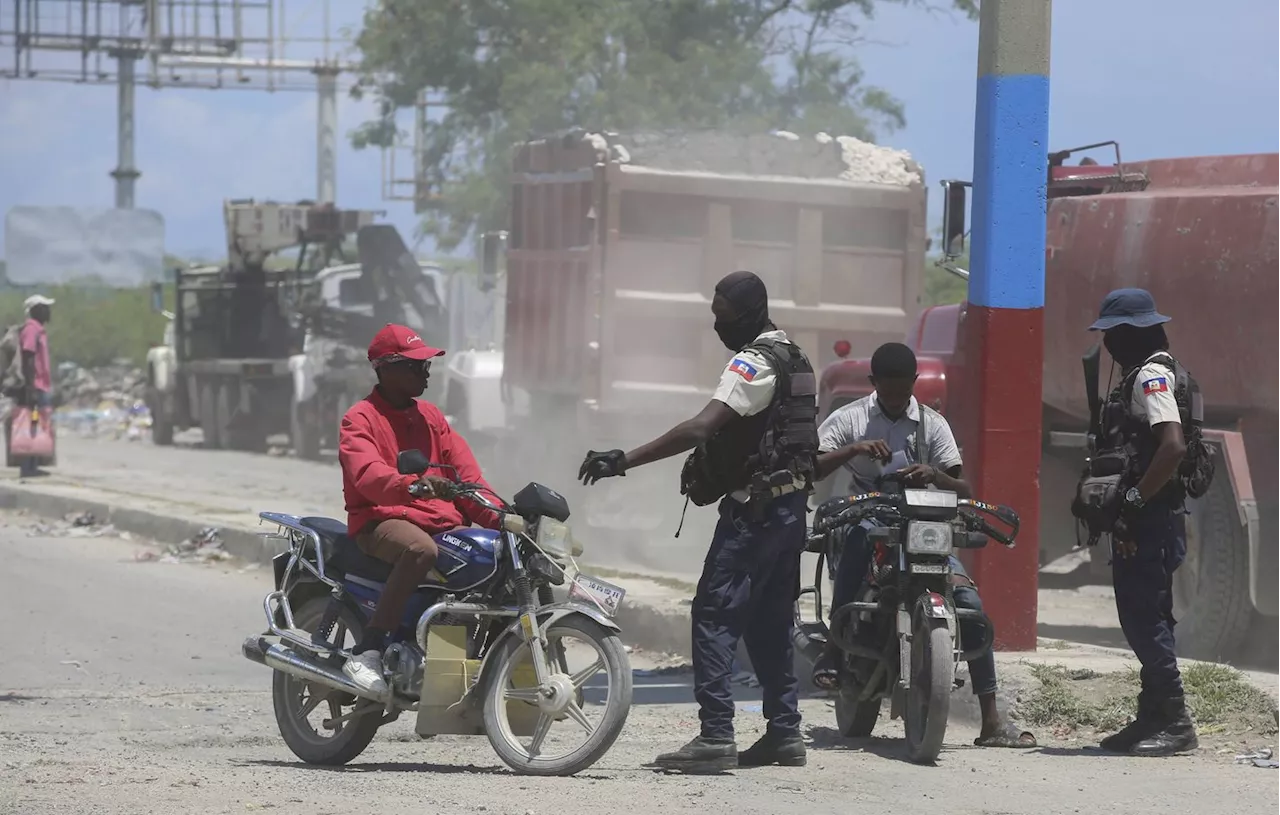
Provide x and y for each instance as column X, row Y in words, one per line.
column 756, row 446
column 1150, row 423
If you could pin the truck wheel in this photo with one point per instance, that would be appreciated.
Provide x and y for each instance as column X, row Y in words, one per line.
column 240, row 430
column 1211, row 589
column 161, row 419
column 303, row 434
column 210, row 421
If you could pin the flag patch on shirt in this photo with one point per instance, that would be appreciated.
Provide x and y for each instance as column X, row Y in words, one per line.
column 1158, row 385
column 743, row 369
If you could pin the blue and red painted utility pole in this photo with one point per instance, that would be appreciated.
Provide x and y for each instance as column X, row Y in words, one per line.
column 1004, row 325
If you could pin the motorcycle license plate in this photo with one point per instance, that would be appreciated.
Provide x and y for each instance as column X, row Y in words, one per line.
column 588, row 589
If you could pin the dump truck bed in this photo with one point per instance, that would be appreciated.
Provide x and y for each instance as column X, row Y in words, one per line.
column 611, row 263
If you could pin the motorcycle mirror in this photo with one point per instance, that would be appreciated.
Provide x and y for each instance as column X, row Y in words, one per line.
column 411, row 462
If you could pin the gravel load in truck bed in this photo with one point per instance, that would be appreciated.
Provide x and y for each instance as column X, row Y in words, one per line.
column 770, row 154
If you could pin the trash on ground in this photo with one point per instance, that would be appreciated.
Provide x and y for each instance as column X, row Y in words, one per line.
column 74, row 525
column 203, row 547
column 1264, row 758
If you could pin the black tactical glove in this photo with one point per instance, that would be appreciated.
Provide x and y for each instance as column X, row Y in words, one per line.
column 602, row 465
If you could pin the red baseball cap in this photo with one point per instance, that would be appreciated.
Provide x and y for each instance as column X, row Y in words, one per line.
column 402, row 342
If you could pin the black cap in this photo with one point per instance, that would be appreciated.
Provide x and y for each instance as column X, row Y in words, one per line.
column 1134, row 307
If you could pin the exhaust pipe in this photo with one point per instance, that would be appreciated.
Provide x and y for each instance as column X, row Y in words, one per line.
column 287, row 661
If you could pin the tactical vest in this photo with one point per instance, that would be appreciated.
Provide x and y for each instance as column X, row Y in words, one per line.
column 768, row 453
column 1133, row 437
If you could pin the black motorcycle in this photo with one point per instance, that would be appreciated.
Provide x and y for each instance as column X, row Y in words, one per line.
column 899, row 638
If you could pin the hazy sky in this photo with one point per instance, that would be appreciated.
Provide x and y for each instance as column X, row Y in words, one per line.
column 1164, row 77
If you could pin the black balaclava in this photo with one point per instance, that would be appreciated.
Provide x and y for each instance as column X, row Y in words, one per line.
column 746, row 294
column 1130, row 345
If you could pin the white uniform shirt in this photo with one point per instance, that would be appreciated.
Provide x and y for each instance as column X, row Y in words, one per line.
column 747, row 385
column 863, row 420
column 748, row 381
column 1153, row 394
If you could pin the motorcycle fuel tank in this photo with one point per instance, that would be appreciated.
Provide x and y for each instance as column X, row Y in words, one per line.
column 467, row 558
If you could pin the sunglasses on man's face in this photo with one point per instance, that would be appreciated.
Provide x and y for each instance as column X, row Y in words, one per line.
column 417, row 366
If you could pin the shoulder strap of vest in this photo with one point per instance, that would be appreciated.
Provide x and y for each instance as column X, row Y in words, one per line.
column 922, row 431
column 781, row 369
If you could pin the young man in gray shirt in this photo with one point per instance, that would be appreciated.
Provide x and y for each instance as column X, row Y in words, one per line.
column 860, row 438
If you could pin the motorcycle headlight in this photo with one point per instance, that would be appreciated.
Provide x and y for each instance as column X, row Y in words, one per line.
column 556, row 539
column 928, row 538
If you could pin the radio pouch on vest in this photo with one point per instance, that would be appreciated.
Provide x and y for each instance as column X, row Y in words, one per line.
column 1098, row 495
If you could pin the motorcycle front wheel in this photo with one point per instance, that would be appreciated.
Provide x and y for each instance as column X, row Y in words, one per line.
column 929, row 697
column 513, row 701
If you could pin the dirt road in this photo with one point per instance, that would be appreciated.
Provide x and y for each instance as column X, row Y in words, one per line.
column 124, row 692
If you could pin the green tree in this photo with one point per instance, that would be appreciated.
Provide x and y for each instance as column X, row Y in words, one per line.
column 509, row 69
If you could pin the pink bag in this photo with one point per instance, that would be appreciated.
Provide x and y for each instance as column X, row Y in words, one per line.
column 30, row 436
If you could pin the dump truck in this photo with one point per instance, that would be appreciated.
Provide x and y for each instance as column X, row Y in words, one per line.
column 614, row 246
column 223, row 364
column 1201, row 235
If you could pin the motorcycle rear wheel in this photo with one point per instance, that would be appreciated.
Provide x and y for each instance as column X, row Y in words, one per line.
column 929, row 697
column 854, row 719
column 350, row 738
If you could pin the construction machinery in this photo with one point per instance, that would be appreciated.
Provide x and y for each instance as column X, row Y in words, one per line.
column 223, row 365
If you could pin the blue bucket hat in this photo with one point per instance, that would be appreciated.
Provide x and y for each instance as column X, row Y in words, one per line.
column 1134, row 307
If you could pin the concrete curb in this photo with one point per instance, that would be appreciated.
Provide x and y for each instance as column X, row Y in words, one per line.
column 643, row 626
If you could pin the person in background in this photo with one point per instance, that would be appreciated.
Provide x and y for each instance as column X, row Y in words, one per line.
column 37, row 391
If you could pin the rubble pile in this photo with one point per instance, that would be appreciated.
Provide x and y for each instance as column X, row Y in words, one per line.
column 102, row 402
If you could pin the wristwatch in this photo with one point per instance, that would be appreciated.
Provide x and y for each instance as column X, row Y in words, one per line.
column 1134, row 497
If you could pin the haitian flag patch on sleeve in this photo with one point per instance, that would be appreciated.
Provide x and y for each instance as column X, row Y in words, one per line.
column 743, row 369
column 1158, row 385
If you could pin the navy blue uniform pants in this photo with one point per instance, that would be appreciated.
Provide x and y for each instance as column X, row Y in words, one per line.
column 851, row 572
column 1144, row 597
column 748, row 589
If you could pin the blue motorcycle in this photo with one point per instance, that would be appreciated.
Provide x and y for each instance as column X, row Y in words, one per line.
column 485, row 648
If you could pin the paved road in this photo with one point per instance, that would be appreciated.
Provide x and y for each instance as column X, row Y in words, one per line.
column 227, row 487
column 124, row 691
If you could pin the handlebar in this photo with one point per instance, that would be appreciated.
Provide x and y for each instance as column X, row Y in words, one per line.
column 464, row 489
column 839, row 512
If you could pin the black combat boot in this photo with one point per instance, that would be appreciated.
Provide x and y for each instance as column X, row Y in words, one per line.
column 1174, row 732
column 783, row 749
column 702, row 755
column 1140, row 728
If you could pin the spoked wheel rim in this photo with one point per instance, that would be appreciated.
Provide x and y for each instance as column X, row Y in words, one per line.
column 568, row 706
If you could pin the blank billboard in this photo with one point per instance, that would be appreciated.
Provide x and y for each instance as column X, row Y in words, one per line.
column 52, row 245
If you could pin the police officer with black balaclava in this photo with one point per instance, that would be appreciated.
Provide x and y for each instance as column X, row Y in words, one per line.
column 755, row 447
column 1149, row 541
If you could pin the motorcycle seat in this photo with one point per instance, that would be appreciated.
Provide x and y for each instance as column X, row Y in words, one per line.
column 342, row 555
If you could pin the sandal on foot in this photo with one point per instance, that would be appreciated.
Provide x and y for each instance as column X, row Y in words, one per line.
column 1010, row 737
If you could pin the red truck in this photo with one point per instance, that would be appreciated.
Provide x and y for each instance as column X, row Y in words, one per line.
column 1201, row 235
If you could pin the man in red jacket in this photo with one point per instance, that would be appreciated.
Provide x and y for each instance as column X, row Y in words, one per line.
column 387, row 522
